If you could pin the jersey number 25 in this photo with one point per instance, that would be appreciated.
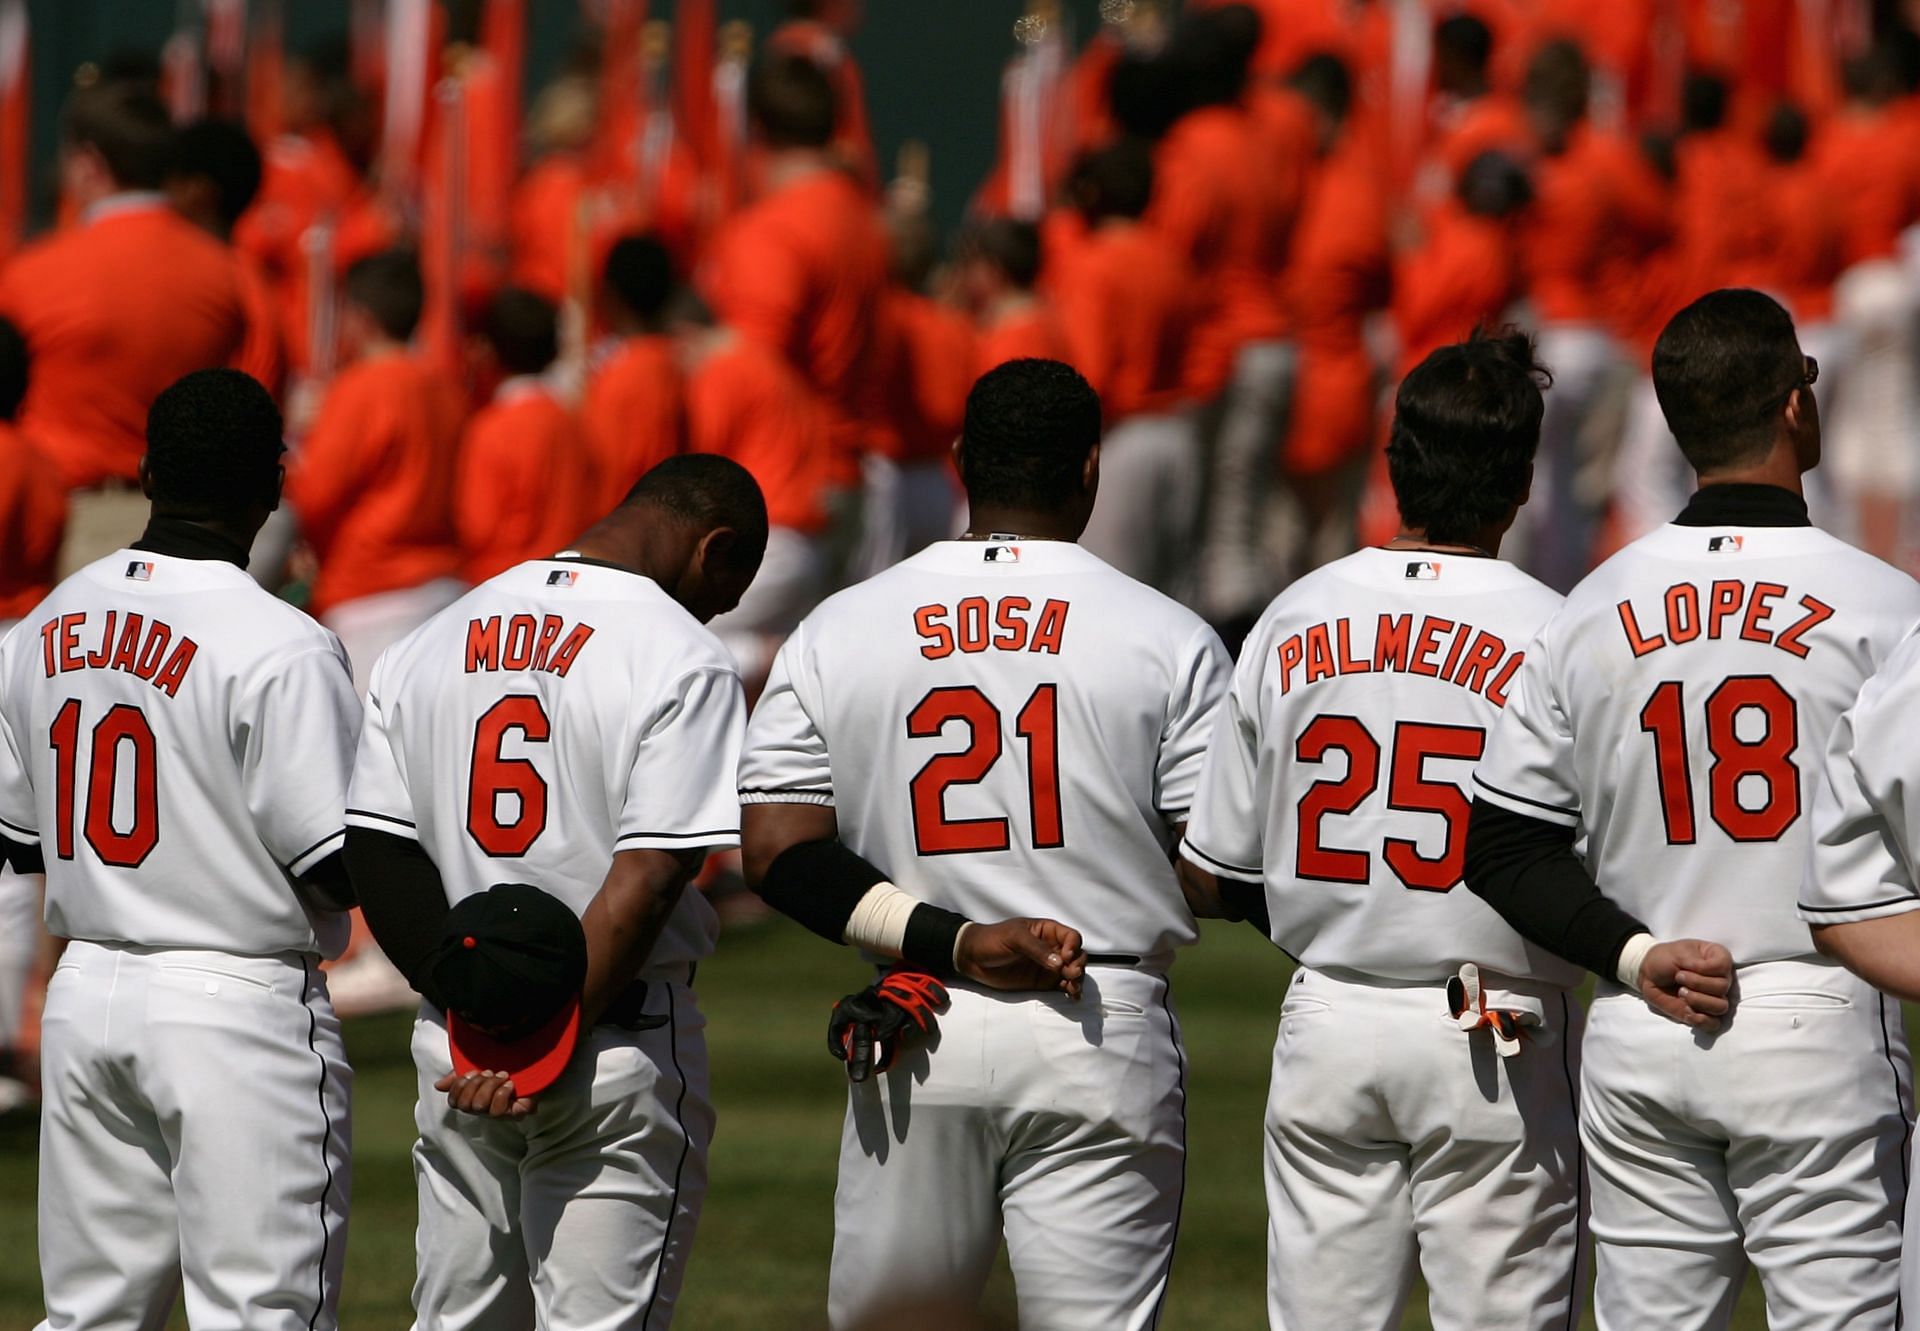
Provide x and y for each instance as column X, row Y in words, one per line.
column 1409, row 790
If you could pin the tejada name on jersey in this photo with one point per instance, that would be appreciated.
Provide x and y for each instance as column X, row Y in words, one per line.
column 1474, row 659
column 521, row 642
column 142, row 647
column 1732, row 606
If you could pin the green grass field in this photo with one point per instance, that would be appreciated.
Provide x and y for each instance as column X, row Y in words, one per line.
column 761, row 1260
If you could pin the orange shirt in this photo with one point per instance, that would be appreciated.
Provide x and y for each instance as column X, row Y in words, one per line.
column 1339, row 275
column 1126, row 307
column 1215, row 200
column 373, row 481
column 1721, row 212
column 33, row 519
column 1807, row 228
column 1859, row 156
column 544, row 223
column 1597, row 206
column 1463, row 130
column 1462, row 278
column 114, row 311
column 634, row 415
column 801, row 272
column 926, row 371
column 526, row 481
column 745, row 403
column 1032, row 331
column 263, row 352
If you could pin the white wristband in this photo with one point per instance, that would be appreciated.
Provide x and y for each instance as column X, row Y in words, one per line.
column 879, row 923
column 1627, row 971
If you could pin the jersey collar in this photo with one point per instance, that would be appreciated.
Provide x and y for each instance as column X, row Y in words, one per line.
column 1741, row 504
column 189, row 540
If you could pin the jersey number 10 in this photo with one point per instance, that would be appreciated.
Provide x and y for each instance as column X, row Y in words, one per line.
column 124, row 729
column 1038, row 723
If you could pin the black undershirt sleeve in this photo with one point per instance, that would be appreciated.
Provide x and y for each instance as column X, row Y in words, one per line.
column 401, row 895
column 327, row 884
column 1525, row 869
column 818, row 884
column 1246, row 901
column 23, row 858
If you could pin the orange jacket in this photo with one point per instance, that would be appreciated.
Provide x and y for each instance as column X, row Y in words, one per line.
column 1217, row 201
column 1807, row 226
column 801, row 272
column 1597, row 207
column 526, row 481
column 263, row 352
column 114, row 311
column 373, row 481
column 745, row 403
column 33, row 519
column 1033, row 331
column 545, row 225
column 1462, row 278
column 1859, row 156
column 634, row 415
column 1721, row 212
column 1126, row 306
column 926, row 369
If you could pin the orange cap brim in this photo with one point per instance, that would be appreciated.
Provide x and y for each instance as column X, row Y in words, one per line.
column 534, row 1061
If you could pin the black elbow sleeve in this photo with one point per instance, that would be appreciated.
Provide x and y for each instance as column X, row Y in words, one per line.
column 1526, row 869
column 817, row 884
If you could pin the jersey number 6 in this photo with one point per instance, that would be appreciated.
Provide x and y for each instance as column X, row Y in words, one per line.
column 1038, row 724
column 493, row 775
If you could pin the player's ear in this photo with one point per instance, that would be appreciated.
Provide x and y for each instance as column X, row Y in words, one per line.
column 715, row 552
column 1090, row 471
column 1526, row 489
column 960, row 456
column 146, row 479
column 279, row 487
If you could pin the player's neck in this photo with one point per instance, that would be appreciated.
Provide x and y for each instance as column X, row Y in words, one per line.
column 1779, row 469
column 1027, row 524
column 1485, row 544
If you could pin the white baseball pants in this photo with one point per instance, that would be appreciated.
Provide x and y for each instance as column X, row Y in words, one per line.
column 792, row 580
column 194, row 1128
column 1396, row 1140
column 368, row 625
column 1061, row 1123
column 908, row 506
column 581, row 1216
column 1146, row 520
column 1238, row 574
column 1574, row 466
column 20, row 931
column 1779, row 1141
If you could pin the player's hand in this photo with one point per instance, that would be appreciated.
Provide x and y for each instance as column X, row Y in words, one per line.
column 1022, row 954
column 484, row 1094
column 1689, row 981
column 868, row 1029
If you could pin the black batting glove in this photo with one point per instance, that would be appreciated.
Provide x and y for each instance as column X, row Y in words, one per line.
column 868, row 1029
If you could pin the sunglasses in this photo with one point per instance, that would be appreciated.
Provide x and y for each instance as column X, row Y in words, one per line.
column 1809, row 376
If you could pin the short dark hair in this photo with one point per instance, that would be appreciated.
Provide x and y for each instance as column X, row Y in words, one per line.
column 1008, row 244
column 1114, row 181
column 1559, row 79
column 708, row 491
column 126, row 124
column 1466, row 38
column 1722, row 369
column 221, row 151
column 1211, row 52
column 639, row 271
column 1703, row 101
column 389, row 287
column 214, row 441
column 791, row 102
column 1466, row 424
column 14, row 363
column 1786, row 134
column 1324, row 80
column 1029, row 427
column 1494, row 185
column 523, row 328
column 1146, row 94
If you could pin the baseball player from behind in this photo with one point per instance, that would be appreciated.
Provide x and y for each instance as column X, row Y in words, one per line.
column 1743, row 1099
column 1001, row 726
column 1341, row 763
column 566, row 728
column 177, row 744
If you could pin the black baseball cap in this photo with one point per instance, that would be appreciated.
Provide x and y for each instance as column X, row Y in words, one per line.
column 509, row 968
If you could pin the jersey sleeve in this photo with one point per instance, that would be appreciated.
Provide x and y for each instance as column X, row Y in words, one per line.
column 680, row 792
column 293, row 734
column 18, row 821
column 1528, row 766
column 378, row 799
column 1205, row 670
column 1225, row 834
column 786, row 758
column 1865, row 820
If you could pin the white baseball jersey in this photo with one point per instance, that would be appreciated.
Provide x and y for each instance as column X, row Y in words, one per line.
column 1004, row 728
column 1341, row 766
column 1677, row 709
column 1866, row 824
column 179, row 744
column 556, row 714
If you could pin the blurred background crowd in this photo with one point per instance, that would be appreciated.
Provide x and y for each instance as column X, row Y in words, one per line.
column 490, row 291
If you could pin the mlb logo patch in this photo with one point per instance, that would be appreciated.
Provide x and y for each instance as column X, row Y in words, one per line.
column 561, row 577
column 1423, row 570
column 1724, row 545
column 140, row 571
column 1003, row 554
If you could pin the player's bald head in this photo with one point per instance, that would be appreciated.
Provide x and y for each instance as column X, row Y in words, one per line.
column 1030, row 425
column 1724, row 370
column 214, row 441
column 707, row 493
